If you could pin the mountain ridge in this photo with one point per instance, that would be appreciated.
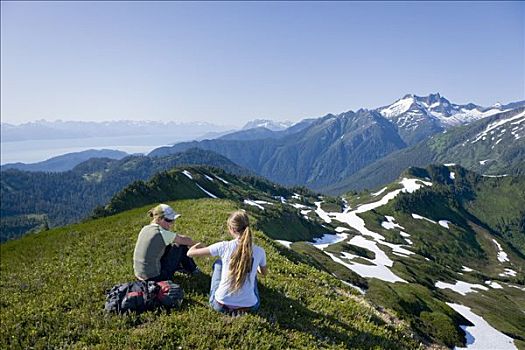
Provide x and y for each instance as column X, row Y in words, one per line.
column 320, row 158
column 66, row 161
column 308, row 149
column 501, row 152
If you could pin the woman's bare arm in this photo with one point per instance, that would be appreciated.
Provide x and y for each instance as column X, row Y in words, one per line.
column 198, row 249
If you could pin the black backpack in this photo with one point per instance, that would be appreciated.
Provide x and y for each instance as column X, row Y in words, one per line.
column 141, row 296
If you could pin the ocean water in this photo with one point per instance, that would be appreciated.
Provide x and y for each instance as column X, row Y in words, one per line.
column 39, row 150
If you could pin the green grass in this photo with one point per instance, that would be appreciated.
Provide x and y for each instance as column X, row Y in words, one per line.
column 282, row 222
column 53, row 291
column 500, row 213
column 332, row 205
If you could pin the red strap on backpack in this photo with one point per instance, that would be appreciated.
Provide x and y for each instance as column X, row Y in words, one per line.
column 164, row 290
column 135, row 294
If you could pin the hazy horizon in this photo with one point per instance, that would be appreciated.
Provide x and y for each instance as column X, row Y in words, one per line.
column 226, row 124
column 231, row 62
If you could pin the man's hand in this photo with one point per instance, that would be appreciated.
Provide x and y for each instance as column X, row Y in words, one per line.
column 183, row 240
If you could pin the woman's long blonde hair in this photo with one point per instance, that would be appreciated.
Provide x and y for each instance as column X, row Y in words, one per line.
column 241, row 258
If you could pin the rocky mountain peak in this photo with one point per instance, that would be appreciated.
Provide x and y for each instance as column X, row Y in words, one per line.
column 416, row 110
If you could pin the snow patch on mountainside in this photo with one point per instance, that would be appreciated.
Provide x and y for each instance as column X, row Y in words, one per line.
column 268, row 124
column 502, row 256
column 221, row 179
column 390, row 224
column 250, row 202
column 321, row 213
column 461, row 287
column 444, row 223
column 371, row 240
column 494, row 285
column 299, row 206
column 329, row 239
column 412, row 185
column 482, row 335
column 375, row 194
column 508, row 272
column 208, row 193
column 466, row 116
column 287, row 244
column 379, row 270
column 419, row 217
column 497, row 126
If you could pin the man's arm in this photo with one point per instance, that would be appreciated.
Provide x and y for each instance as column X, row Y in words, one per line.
column 183, row 240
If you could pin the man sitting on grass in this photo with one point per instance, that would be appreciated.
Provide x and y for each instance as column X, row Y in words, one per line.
column 160, row 252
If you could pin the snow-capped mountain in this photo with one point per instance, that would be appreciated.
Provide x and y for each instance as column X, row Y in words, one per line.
column 490, row 146
column 268, row 124
column 418, row 117
column 408, row 111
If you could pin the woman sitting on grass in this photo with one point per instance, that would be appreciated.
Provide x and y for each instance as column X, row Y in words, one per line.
column 234, row 282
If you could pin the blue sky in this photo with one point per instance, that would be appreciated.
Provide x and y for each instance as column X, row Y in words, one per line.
column 230, row 62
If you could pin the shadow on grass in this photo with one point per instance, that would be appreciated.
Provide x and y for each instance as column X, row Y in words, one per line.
column 291, row 314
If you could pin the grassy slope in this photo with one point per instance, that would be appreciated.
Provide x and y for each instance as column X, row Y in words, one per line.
column 53, row 286
column 501, row 203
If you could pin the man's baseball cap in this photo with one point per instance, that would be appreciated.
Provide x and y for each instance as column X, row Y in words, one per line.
column 165, row 211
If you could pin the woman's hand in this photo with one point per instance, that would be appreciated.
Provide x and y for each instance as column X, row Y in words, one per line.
column 263, row 270
column 198, row 245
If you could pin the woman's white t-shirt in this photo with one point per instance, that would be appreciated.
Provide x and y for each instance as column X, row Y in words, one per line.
column 245, row 296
